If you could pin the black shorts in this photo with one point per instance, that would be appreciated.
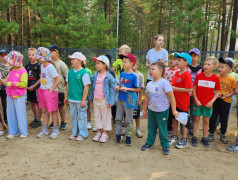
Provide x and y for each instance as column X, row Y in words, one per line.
column 61, row 99
column 32, row 96
column 179, row 110
column 136, row 113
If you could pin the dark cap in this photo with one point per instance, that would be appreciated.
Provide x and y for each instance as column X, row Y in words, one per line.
column 54, row 48
column 224, row 61
column 3, row 51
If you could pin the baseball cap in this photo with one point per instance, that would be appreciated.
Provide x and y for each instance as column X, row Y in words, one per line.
column 172, row 54
column 224, row 61
column 230, row 59
column 77, row 55
column 102, row 58
column 54, row 48
column 195, row 50
column 130, row 56
column 186, row 56
column 3, row 51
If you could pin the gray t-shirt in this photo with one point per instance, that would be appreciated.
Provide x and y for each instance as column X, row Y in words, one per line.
column 158, row 99
column 154, row 56
column 141, row 78
column 48, row 74
column 63, row 70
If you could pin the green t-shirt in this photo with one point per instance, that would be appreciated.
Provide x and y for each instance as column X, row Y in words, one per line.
column 234, row 75
column 118, row 64
column 89, row 72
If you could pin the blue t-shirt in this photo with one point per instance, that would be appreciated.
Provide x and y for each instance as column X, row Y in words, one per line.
column 154, row 56
column 158, row 99
column 129, row 80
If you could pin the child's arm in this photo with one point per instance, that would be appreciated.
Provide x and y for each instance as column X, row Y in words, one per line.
column 197, row 102
column 21, row 84
column 182, row 89
column 216, row 95
column 146, row 102
column 140, row 97
column 173, row 103
column 137, row 89
column 236, row 90
column 85, row 94
column 56, row 84
column 31, row 88
column 66, row 93
column 228, row 95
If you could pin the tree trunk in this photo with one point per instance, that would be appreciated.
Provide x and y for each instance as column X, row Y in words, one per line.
column 233, row 29
column 169, row 29
column 28, row 24
column 9, row 19
column 22, row 20
column 228, row 22
column 120, row 39
column 218, row 31
column 223, row 27
column 160, row 17
column 105, row 9
column 15, row 18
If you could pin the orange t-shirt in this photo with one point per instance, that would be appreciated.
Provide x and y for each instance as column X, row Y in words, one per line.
column 183, row 80
column 228, row 83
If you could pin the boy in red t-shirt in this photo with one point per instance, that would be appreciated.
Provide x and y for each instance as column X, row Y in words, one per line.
column 182, row 85
column 204, row 86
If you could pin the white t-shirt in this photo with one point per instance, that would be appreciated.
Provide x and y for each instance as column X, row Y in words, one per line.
column 154, row 56
column 48, row 74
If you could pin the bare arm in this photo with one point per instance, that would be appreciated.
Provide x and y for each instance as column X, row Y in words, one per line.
column 216, row 95
column 66, row 93
column 130, row 89
column 85, row 94
column 146, row 102
column 197, row 102
column 140, row 97
column 173, row 103
column 56, row 84
column 182, row 89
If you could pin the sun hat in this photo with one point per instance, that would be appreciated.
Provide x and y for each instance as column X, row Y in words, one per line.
column 102, row 58
column 14, row 58
column 186, row 56
column 77, row 55
column 43, row 54
column 195, row 50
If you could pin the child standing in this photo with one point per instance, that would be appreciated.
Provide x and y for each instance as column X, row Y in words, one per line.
column 33, row 70
column 222, row 104
column 137, row 111
column 48, row 92
column 182, row 85
column 204, row 86
column 103, row 95
column 158, row 90
column 77, row 84
column 16, row 83
column 128, row 82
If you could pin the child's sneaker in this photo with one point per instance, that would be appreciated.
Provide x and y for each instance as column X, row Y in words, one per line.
column 42, row 134
column 89, row 125
column 205, row 142
column 182, row 144
column 170, row 133
column 54, row 134
column 145, row 147
column 128, row 140
column 37, row 124
column 94, row 129
column 23, row 136
column 233, row 148
column 194, row 141
column 51, row 125
column 10, row 136
column 173, row 140
column 103, row 138
column 97, row 137
column 2, row 133
column 210, row 137
column 119, row 138
column 32, row 123
column 139, row 133
column 79, row 138
column 63, row 125
column 166, row 150
column 223, row 139
column 72, row 137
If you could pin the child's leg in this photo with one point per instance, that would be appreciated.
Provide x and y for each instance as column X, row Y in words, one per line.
column 162, row 121
column 119, row 117
column 191, row 112
column 205, row 126
column 195, row 124
column 170, row 120
column 82, row 121
column 20, row 107
column 184, row 132
column 152, row 127
column 175, row 127
column 128, row 120
column 98, row 115
column 215, row 113
column 224, row 112
column 4, row 104
column 232, row 105
column 55, row 118
column 74, row 118
column 46, row 117
column 34, row 109
column 39, row 112
column 106, row 116
column 12, row 116
column 137, row 120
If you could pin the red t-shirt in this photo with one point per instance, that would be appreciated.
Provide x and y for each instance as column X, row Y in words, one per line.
column 183, row 80
column 206, row 87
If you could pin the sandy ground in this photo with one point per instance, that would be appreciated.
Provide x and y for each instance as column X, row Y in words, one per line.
column 60, row 158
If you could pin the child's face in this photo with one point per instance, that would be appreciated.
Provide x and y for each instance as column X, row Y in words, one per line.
column 134, row 68
column 2, row 57
column 155, row 72
column 182, row 63
column 127, row 64
column 32, row 56
column 223, row 68
column 100, row 66
column 54, row 55
column 195, row 57
column 159, row 41
column 75, row 62
column 208, row 66
column 173, row 62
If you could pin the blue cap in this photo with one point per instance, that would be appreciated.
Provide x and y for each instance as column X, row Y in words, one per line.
column 195, row 50
column 186, row 56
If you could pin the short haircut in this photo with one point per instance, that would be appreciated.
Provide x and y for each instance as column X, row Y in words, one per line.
column 213, row 59
column 125, row 48
column 157, row 36
column 32, row 49
column 159, row 65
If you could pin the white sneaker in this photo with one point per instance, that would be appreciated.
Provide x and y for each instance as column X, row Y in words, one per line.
column 89, row 125
column 10, row 136
column 94, row 129
column 2, row 132
column 173, row 140
column 139, row 133
column 23, row 136
column 54, row 134
column 42, row 134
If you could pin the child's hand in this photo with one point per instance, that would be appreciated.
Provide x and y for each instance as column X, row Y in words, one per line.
column 175, row 113
column 224, row 96
column 83, row 104
column 110, row 105
column 139, row 103
column 116, row 88
column 90, row 101
column 198, row 103
column 66, row 101
column 209, row 105
column 123, row 89
column 50, row 91
column 145, row 113
column 220, row 96
column 31, row 88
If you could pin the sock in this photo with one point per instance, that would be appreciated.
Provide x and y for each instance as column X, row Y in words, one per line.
column 45, row 127
column 55, row 127
column 137, row 128
column 36, row 117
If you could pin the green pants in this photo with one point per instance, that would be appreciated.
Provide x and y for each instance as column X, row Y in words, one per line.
column 158, row 120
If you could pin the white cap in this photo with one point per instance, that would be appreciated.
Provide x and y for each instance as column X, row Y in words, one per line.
column 78, row 55
column 102, row 58
column 230, row 59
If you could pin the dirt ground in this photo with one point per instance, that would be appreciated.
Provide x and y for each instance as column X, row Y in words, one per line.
column 60, row 158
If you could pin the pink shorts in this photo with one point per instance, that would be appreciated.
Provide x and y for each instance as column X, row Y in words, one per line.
column 47, row 100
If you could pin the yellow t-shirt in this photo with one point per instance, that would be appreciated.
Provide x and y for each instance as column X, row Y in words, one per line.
column 228, row 84
column 118, row 64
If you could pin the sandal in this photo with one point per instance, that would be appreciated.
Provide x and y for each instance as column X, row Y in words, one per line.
column 104, row 138
column 97, row 137
column 233, row 148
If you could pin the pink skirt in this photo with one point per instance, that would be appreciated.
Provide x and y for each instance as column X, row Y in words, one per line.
column 48, row 101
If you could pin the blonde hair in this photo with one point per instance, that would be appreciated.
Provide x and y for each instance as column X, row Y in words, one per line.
column 213, row 59
column 125, row 48
column 32, row 49
column 157, row 36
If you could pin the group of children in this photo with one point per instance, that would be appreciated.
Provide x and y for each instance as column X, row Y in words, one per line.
column 182, row 87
